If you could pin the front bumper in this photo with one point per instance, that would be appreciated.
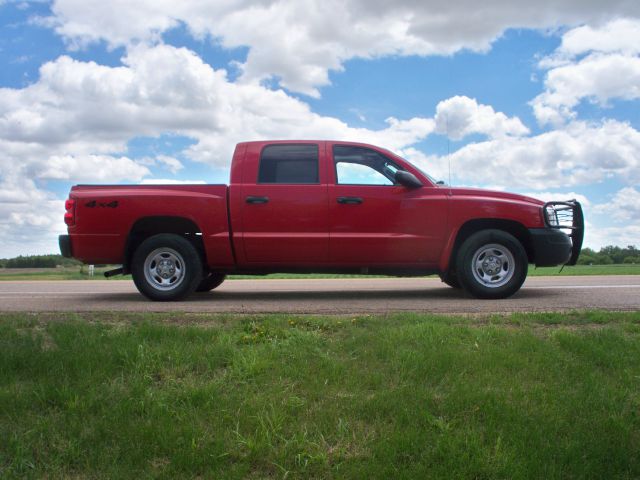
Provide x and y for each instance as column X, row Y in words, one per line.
column 550, row 247
column 65, row 245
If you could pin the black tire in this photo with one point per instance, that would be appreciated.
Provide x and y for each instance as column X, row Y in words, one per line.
column 491, row 264
column 211, row 281
column 450, row 279
column 166, row 267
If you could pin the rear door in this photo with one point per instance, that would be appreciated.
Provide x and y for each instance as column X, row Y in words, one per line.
column 284, row 205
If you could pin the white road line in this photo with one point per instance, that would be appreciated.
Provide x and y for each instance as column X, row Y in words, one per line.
column 8, row 297
column 43, row 294
column 48, row 294
column 577, row 287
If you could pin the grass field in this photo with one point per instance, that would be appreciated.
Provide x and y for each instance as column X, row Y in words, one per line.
column 77, row 274
column 400, row 396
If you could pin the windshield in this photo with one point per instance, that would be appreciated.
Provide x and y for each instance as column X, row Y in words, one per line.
column 427, row 175
column 433, row 180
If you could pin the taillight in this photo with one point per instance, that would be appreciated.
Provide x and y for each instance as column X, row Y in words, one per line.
column 70, row 213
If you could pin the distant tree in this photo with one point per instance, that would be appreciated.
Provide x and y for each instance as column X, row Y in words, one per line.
column 609, row 254
column 586, row 259
column 630, row 251
column 605, row 260
column 32, row 261
column 615, row 253
column 40, row 261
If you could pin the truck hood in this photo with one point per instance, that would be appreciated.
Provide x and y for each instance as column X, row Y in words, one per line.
column 482, row 193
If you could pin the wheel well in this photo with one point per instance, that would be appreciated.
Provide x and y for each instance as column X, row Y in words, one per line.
column 472, row 226
column 146, row 227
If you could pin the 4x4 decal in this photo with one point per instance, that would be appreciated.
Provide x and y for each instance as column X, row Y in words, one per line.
column 94, row 204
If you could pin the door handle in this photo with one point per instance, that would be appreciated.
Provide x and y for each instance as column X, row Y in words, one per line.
column 350, row 200
column 251, row 199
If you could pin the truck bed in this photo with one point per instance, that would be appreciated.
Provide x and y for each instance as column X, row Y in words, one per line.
column 107, row 213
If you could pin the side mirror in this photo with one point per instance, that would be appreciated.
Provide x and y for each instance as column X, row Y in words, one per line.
column 407, row 179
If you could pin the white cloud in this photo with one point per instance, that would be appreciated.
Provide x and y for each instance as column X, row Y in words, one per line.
column 170, row 163
column 597, row 238
column 460, row 116
column 624, row 206
column 300, row 41
column 594, row 64
column 579, row 154
column 167, row 162
column 617, row 36
column 81, row 108
column 597, row 78
column 170, row 181
column 29, row 217
column 560, row 197
column 435, row 166
column 91, row 168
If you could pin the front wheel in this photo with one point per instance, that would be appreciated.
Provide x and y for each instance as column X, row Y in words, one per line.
column 491, row 264
column 166, row 267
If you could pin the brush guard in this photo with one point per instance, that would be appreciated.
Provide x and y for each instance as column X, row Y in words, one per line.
column 568, row 217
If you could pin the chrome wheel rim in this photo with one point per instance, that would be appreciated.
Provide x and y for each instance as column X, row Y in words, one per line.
column 164, row 269
column 493, row 265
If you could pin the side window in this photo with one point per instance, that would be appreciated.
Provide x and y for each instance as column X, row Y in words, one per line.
column 289, row 164
column 359, row 174
column 362, row 166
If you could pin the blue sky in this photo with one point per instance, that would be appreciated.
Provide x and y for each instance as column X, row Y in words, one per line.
column 540, row 101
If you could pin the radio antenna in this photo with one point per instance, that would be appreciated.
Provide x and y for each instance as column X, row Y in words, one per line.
column 446, row 119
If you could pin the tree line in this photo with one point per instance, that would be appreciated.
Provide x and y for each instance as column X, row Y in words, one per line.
column 609, row 255
column 38, row 261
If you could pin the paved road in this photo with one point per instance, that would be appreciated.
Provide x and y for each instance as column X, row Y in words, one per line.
column 327, row 296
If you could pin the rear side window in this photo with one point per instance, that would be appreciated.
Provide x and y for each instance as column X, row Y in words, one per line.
column 289, row 164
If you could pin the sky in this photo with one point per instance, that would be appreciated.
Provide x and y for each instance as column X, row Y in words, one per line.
column 540, row 98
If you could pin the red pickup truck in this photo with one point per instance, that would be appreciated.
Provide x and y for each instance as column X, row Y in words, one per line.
column 318, row 206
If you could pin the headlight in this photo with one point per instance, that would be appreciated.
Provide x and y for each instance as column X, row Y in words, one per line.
column 552, row 216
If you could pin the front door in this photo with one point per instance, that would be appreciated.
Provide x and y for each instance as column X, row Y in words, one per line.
column 376, row 222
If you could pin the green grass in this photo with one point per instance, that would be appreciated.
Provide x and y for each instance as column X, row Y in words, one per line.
column 66, row 273
column 54, row 275
column 76, row 274
column 282, row 396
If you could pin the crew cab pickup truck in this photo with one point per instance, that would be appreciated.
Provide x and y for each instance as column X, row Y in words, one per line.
column 318, row 206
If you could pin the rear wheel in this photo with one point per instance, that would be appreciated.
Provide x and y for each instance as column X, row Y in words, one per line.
column 491, row 264
column 166, row 267
column 211, row 281
column 450, row 279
